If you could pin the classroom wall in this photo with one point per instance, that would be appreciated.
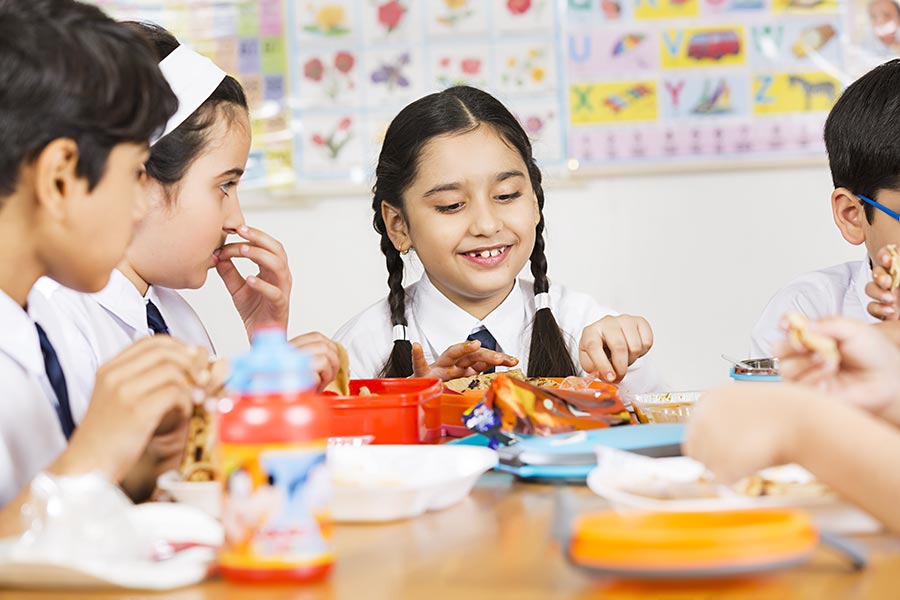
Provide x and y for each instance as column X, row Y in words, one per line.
column 698, row 254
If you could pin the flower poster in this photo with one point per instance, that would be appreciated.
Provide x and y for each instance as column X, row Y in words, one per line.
column 356, row 63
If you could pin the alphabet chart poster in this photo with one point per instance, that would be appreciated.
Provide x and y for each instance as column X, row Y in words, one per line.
column 247, row 39
column 687, row 80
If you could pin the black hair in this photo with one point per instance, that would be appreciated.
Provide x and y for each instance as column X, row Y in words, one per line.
column 172, row 155
column 861, row 134
column 69, row 71
column 458, row 110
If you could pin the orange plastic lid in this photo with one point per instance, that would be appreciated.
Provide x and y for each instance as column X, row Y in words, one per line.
column 641, row 541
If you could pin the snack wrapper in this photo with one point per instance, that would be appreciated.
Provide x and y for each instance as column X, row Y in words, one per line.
column 512, row 407
column 83, row 518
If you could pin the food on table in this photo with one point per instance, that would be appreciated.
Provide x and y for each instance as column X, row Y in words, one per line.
column 483, row 381
column 759, row 485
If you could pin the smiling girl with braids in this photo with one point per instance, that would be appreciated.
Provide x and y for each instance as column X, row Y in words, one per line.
column 456, row 182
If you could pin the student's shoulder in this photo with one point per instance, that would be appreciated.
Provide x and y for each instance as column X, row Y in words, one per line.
column 574, row 308
column 816, row 293
column 374, row 321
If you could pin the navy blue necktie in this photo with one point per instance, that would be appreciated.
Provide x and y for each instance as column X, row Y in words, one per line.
column 487, row 341
column 155, row 319
column 57, row 382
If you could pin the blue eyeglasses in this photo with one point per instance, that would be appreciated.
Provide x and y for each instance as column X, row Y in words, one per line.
column 881, row 207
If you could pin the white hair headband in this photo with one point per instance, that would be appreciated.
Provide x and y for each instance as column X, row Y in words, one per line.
column 193, row 78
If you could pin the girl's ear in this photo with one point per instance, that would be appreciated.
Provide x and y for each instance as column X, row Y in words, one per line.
column 396, row 227
column 849, row 215
column 537, row 211
column 56, row 180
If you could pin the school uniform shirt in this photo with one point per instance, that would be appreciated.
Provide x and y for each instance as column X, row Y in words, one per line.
column 106, row 323
column 836, row 291
column 437, row 323
column 31, row 436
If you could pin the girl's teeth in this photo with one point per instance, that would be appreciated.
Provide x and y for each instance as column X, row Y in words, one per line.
column 487, row 253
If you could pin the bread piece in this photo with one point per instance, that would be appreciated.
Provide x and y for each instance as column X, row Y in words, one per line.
column 341, row 383
column 801, row 338
column 198, row 462
column 894, row 269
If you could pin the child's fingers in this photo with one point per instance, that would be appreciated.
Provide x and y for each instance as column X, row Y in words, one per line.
column 421, row 368
column 881, row 277
column 488, row 357
column 646, row 333
column 594, row 360
column 261, row 257
column 262, row 239
column 883, row 258
column 879, row 294
column 230, row 276
column 452, row 354
column 272, row 293
column 881, row 311
column 794, row 369
column 635, row 344
column 617, row 348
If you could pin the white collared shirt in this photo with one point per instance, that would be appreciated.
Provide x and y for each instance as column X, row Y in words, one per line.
column 101, row 325
column 838, row 291
column 31, row 436
column 437, row 323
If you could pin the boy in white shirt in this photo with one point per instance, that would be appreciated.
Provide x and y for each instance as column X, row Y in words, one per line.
column 80, row 98
column 864, row 155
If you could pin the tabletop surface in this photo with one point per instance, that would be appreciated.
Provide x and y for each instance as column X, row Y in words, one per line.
column 500, row 543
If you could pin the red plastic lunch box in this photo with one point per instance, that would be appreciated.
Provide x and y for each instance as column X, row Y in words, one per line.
column 398, row 411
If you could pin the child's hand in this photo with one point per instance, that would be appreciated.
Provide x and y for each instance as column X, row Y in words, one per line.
column 737, row 430
column 152, row 381
column 264, row 297
column 868, row 374
column 460, row 360
column 324, row 353
column 886, row 305
column 612, row 344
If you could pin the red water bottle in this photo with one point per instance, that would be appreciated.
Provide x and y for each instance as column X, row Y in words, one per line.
column 273, row 433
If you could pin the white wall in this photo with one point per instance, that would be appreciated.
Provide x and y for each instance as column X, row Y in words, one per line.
column 698, row 254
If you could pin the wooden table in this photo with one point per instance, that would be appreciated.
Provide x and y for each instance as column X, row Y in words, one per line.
column 499, row 544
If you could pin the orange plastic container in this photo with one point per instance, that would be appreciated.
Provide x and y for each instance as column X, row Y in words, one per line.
column 399, row 411
column 699, row 543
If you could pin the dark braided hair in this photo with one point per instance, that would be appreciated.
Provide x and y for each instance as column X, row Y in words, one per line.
column 458, row 110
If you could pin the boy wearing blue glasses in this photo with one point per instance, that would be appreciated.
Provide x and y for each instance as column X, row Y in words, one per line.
column 862, row 136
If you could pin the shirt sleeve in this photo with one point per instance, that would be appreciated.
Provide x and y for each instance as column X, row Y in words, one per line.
column 799, row 298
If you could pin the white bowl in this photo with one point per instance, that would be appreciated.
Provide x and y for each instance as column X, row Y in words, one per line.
column 205, row 495
column 387, row 483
